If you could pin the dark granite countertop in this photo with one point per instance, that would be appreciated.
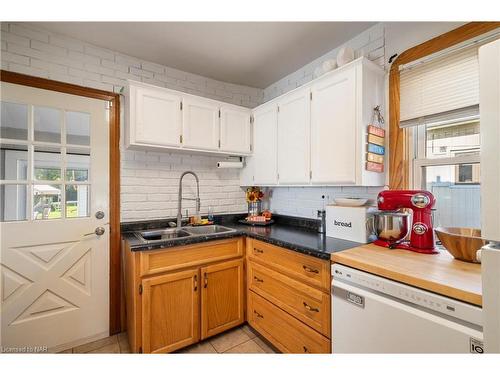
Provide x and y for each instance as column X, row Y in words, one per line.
column 292, row 233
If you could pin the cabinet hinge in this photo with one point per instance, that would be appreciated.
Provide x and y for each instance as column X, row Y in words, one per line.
column 310, row 174
column 278, row 108
column 251, row 147
column 278, row 176
column 140, row 288
column 219, row 113
column 180, row 138
column 251, row 119
column 219, row 143
column 311, row 95
column 140, row 349
column 181, row 106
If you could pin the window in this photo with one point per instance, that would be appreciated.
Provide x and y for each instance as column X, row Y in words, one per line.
column 440, row 108
column 446, row 163
column 44, row 163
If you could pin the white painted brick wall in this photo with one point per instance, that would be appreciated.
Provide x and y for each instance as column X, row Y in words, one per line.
column 149, row 180
column 305, row 201
column 370, row 43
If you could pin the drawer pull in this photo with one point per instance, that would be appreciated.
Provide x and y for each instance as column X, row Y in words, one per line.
column 258, row 280
column 258, row 250
column 309, row 308
column 205, row 279
column 305, row 349
column 258, row 315
column 309, row 269
column 195, row 283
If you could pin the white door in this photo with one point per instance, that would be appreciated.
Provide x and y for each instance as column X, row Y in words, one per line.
column 265, row 145
column 235, row 130
column 200, row 124
column 157, row 117
column 333, row 130
column 294, row 126
column 54, row 268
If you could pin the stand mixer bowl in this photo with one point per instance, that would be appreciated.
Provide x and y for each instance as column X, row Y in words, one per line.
column 391, row 226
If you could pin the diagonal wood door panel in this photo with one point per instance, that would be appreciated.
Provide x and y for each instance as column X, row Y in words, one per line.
column 54, row 274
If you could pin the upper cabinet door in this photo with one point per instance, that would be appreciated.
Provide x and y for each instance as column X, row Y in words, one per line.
column 294, row 138
column 265, row 145
column 235, row 130
column 333, row 130
column 157, row 118
column 200, row 124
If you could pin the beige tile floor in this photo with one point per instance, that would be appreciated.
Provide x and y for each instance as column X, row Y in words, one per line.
column 238, row 340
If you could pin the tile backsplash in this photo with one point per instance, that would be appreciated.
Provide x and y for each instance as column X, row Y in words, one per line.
column 305, row 201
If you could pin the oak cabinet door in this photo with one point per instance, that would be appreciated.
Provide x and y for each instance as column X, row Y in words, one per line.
column 333, row 130
column 222, row 297
column 170, row 311
column 294, row 148
column 264, row 157
column 235, row 130
column 157, row 118
column 200, row 124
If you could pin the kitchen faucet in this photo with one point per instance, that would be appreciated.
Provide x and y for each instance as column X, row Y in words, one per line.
column 179, row 202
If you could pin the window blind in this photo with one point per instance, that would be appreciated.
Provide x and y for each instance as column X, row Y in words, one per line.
column 440, row 90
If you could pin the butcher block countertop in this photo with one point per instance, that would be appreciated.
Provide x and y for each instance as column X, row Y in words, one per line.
column 438, row 273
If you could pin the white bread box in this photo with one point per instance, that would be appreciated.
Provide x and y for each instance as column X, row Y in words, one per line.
column 349, row 223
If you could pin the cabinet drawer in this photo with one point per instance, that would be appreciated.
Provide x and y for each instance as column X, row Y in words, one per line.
column 162, row 260
column 313, row 271
column 283, row 330
column 307, row 304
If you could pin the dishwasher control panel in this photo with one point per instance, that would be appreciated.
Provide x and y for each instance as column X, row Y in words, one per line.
column 410, row 294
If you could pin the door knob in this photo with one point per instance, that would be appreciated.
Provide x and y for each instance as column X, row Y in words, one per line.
column 98, row 231
column 99, row 214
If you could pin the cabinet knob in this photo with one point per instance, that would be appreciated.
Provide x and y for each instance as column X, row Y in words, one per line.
column 205, row 280
column 309, row 308
column 258, row 315
column 309, row 269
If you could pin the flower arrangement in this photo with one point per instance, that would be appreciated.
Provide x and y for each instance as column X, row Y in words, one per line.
column 254, row 194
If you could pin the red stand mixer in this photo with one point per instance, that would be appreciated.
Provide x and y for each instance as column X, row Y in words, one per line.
column 421, row 203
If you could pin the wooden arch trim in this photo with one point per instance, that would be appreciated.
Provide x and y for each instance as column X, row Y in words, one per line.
column 114, row 177
column 399, row 157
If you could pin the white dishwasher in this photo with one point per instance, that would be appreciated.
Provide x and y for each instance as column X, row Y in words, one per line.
column 371, row 314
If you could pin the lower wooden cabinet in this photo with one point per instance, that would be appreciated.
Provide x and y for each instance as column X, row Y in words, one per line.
column 222, row 297
column 287, row 333
column 170, row 311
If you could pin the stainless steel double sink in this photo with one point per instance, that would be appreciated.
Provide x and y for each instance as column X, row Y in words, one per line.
column 170, row 234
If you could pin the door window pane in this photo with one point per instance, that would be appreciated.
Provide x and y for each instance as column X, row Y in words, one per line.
column 47, row 124
column 457, row 202
column 46, row 202
column 77, row 164
column 14, row 121
column 47, row 164
column 445, row 141
column 78, row 128
column 13, row 202
column 13, row 162
column 77, row 201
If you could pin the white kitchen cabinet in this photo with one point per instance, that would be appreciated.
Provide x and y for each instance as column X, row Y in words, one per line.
column 264, row 158
column 159, row 118
column 294, row 111
column 322, row 131
column 200, row 123
column 235, row 131
column 154, row 117
column 333, row 129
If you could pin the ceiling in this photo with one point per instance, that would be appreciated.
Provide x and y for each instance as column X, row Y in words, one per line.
column 254, row 54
